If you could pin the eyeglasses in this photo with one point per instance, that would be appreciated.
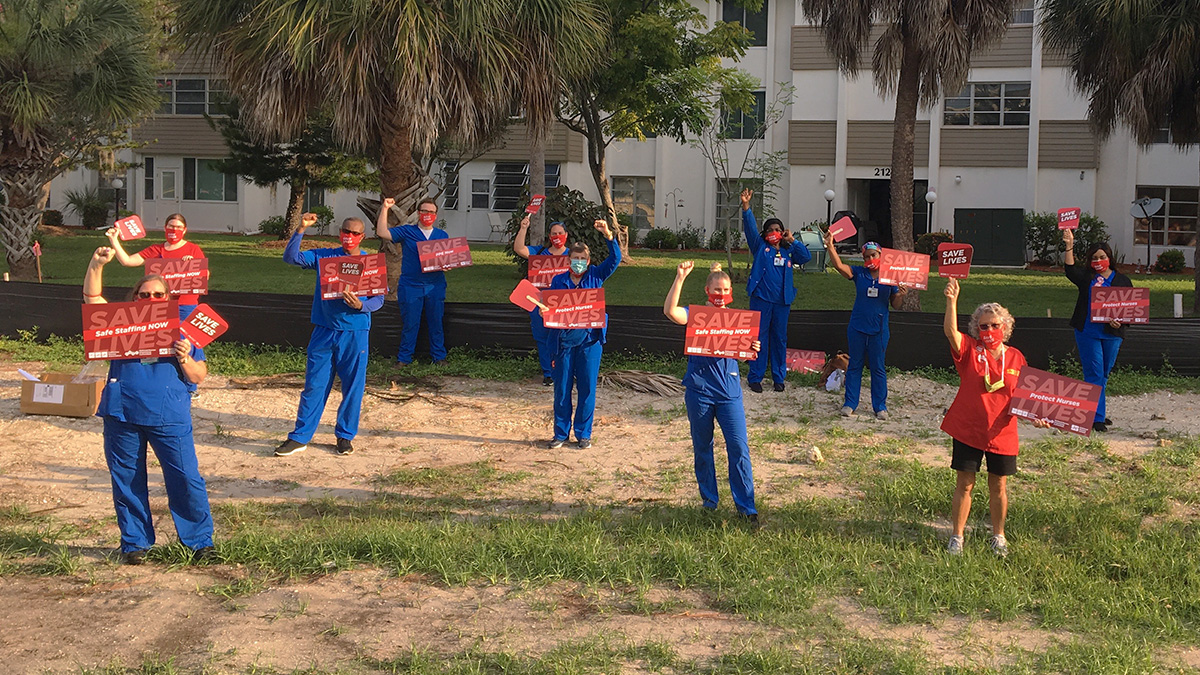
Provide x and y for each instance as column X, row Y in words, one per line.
column 989, row 326
column 434, row 212
column 345, row 231
column 146, row 295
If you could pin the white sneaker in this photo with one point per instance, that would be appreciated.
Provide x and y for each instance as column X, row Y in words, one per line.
column 881, row 415
column 999, row 545
column 956, row 545
column 847, row 411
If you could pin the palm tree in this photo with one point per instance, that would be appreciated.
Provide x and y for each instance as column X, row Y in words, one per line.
column 925, row 49
column 1139, row 64
column 74, row 76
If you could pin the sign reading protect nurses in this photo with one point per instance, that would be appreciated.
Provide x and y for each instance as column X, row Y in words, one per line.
column 903, row 268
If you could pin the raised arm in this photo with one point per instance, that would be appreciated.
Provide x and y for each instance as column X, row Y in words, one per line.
column 671, row 305
column 1069, row 241
column 381, row 221
column 126, row 260
column 292, row 254
column 606, row 268
column 519, row 246
column 834, row 259
column 749, row 224
column 93, row 283
column 950, row 323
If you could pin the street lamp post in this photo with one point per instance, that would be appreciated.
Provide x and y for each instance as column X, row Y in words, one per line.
column 117, row 184
column 930, row 198
column 829, row 195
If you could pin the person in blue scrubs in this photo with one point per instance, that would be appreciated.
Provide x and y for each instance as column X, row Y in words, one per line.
column 418, row 293
column 714, row 394
column 771, row 290
column 341, row 328
column 577, row 360
column 147, row 402
column 868, row 332
column 541, row 334
column 1098, row 343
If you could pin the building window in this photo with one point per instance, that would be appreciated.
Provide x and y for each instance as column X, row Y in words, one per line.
column 634, row 196
column 1023, row 13
column 313, row 196
column 755, row 22
column 192, row 96
column 203, row 182
column 729, row 202
column 1163, row 137
column 450, row 183
column 481, row 191
column 747, row 125
column 989, row 104
column 553, row 176
column 148, row 182
column 1175, row 223
column 508, row 182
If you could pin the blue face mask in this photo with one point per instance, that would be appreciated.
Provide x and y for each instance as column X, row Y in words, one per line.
column 579, row 266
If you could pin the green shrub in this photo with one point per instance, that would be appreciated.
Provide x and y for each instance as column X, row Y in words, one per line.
column 1170, row 261
column 691, row 237
column 324, row 219
column 1044, row 240
column 275, row 226
column 90, row 205
column 717, row 241
column 928, row 242
column 52, row 217
column 660, row 238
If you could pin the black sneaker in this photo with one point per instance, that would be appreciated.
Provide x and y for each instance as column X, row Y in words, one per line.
column 547, row 381
column 133, row 557
column 756, row 387
column 344, row 447
column 1108, row 421
column 752, row 518
column 584, row 443
column 439, row 364
column 290, row 447
column 1099, row 426
column 205, row 554
column 556, row 443
column 778, row 386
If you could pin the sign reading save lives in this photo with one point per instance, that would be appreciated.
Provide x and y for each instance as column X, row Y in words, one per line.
column 183, row 277
column 954, row 260
column 338, row 274
column 1120, row 303
column 203, row 326
column 1068, row 404
column 543, row 268
column 443, row 254
column 903, row 268
column 574, row 308
column 724, row 333
column 130, row 330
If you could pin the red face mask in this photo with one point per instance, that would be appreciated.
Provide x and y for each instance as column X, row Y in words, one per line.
column 558, row 240
column 773, row 237
column 175, row 235
column 720, row 299
column 350, row 241
column 992, row 337
column 427, row 219
column 1100, row 266
column 872, row 263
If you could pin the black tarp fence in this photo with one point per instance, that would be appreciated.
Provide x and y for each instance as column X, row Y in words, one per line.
column 916, row 338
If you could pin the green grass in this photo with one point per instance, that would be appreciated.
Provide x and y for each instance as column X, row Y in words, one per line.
column 240, row 264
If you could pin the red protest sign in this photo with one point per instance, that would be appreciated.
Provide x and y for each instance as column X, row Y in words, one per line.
column 372, row 275
column 444, row 254
column 1068, row 404
column 543, row 268
column 130, row 330
column 903, row 268
column 574, row 308
column 1068, row 219
column 843, row 229
column 203, row 326
column 1122, row 303
column 954, row 260
column 37, row 248
column 130, row 228
column 805, row 361
column 526, row 296
column 721, row 332
column 183, row 277
column 535, row 204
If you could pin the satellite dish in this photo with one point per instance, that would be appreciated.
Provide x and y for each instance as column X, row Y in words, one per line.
column 1145, row 207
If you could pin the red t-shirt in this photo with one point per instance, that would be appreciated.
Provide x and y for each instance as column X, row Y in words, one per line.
column 978, row 418
column 188, row 250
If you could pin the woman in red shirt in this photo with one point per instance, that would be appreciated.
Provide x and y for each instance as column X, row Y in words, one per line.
column 176, row 247
column 978, row 421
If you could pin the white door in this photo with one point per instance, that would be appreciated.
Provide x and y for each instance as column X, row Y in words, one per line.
column 478, row 189
column 169, row 198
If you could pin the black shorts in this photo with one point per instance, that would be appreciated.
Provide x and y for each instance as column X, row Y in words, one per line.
column 966, row 458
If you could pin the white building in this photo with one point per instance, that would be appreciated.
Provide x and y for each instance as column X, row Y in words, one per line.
column 1015, row 140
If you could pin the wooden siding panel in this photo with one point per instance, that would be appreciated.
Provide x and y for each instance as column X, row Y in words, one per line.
column 1014, row 50
column 808, row 49
column 189, row 136
column 563, row 145
column 811, row 143
column 191, row 63
column 1067, row 144
column 869, row 143
column 1052, row 58
column 985, row 146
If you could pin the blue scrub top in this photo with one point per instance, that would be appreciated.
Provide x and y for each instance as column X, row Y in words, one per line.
column 408, row 236
column 149, row 392
column 334, row 314
column 771, row 273
column 715, row 379
column 870, row 314
column 594, row 277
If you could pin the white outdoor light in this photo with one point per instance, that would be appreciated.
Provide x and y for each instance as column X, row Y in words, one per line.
column 822, row 178
column 829, row 195
column 931, row 196
column 117, row 183
column 958, row 179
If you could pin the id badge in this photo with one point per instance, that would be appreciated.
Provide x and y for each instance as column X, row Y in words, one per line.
column 779, row 261
column 872, row 292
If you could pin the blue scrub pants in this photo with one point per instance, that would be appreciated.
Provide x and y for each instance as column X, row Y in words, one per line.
column 125, row 452
column 545, row 343
column 702, row 413
column 329, row 351
column 415, row 300
column 576, row 367
column 1097, row 355
column 772, row 333
column 869, row 348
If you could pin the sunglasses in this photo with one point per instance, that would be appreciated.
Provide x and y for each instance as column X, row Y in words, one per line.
column 146, row 295
column 989, row 326
column 345, row 231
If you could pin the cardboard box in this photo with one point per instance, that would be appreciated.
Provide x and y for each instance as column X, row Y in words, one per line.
column 56, row 394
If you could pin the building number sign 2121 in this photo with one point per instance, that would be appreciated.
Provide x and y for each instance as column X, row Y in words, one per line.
column 883, row 171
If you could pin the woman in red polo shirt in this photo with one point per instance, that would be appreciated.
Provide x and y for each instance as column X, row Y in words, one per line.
column 978, row 421
column 176, row 247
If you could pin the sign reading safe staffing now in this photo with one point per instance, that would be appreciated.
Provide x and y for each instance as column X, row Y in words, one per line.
column 721, row 332
column 183, row 277
column 130, row 228
column 1121, row 303
column 1068, row 219
column 203, row 326
column 574, row 308
column 543, row 268
column 130, row 330
column 1068, row 404
column 805, row 361
column 338, row 274
column 443, row 254
column 903, row 268
column 954, row 260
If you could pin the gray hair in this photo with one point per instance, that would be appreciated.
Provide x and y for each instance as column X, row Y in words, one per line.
column 991, row 308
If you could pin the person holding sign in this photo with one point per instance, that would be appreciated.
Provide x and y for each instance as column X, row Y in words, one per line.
column 1098, row 343
column 577, row 358
column 867, row 333
column 541, row 335
column 714, row 395
column 177, row 247
column 341, row 327
column 771, row 290
column 979, row 421
column 147, row 402
column 418, row 293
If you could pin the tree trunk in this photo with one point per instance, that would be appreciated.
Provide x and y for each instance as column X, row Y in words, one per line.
column 396, row 174
column 295, row 207
column 19, row 217
column 1195, row 278
column 537, row 186
column 596, row 159
column 903, row 135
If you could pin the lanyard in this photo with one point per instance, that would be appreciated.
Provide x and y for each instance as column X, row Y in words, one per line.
column 993, row 387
